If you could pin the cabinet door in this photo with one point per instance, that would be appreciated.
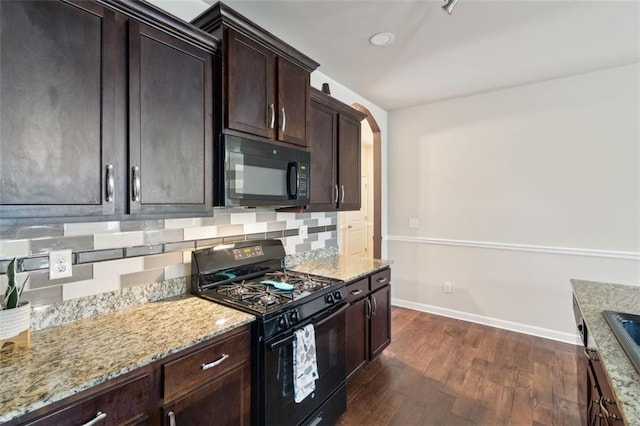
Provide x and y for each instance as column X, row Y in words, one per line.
column 56, row 113
column 323, row 127
column 250, row 86
column 293, row 102
column 224, row 401
column 380, row 320
column 357, row 325
column 170, row 124
column 349, row 163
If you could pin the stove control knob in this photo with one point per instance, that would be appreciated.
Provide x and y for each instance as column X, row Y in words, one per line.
column 329, row 299
column 293, row 317
column 337, row 295
column 282, row 323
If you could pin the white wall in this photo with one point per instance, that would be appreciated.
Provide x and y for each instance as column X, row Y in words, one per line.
column 349, row 97
column 550, row 170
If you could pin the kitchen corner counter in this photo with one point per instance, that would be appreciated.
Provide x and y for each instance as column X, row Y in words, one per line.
column 76, row 356
column 593, row 298
column 342, row 267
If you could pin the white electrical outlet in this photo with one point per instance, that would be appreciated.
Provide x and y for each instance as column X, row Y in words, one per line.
column 303, row 232
column 60, row 264
column 414, row 222
column 446, row 287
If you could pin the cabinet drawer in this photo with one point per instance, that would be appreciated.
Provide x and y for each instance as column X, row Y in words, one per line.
column 380, row 279
column 357, row 290
column 126, row 403
column 193, row 370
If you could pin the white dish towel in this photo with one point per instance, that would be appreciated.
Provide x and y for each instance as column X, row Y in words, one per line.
column 305, row 366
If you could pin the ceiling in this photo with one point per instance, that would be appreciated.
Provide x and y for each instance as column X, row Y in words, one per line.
column 482, row 46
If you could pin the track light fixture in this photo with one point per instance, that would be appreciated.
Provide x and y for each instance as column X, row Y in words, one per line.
column 449, row 6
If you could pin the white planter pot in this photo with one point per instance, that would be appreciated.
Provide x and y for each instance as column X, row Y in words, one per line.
column 15, row 321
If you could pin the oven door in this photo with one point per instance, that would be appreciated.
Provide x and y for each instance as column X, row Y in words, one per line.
column 280, row 407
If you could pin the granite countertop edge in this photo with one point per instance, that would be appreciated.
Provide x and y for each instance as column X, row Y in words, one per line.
column 60, row 391
column 592, row 298
column 342, row 267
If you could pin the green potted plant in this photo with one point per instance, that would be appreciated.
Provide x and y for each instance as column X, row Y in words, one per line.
column 15, row 316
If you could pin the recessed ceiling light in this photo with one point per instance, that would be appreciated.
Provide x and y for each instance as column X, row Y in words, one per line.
column 382, row 39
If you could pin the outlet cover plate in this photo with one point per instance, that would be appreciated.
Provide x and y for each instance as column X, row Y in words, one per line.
column 60, row 264
column 303, row 232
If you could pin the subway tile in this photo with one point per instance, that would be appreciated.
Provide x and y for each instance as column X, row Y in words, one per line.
column 331, row 243
column 158, row 236
column 90, row 228
column 140, row 278
column 78, row 243
column 141, row 225
column 274, row 234
column 283, row 216
column 256, row 236
column 290, row 232
column 266, row 216
column 316, row 245
column 162, row 260
column 311, row 237
column 324, row 221
column 233, row 239
column 89, row 287
column 200, row 232
column 318, row 215
column 333, row 215
column 115, row 268
column 183, row 245
column 118, row 239
column 14, row 248
column 186, row 257
column 209, row 242
column 303, row 216
column 143, row 250
column 177, row 271
column 332, row 228
column 43, row 296
column 99, row 255
column 243, row 218
column 252, row 228
column 12, row 232
column 33, row 263
column 182, row 223
column 276, row 226
column 230, row 230
column 315, row 229
column 41, row 279
column 221, row 219
column 311, row 222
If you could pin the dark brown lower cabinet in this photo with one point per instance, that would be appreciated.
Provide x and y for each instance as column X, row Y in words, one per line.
column 602, row 407
column 368, row 319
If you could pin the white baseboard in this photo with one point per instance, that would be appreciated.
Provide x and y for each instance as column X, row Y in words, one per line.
column 492, row 322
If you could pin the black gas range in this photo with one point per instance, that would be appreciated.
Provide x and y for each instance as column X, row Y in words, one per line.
column 251, row 276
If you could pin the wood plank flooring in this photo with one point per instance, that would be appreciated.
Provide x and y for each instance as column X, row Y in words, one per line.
column 442, row 371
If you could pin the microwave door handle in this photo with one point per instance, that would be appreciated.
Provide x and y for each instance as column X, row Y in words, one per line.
column 293, row 181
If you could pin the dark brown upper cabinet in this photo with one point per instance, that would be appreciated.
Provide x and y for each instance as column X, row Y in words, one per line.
column 334, row 144
column 264, row 82
column 57, row 111
column 107, row 111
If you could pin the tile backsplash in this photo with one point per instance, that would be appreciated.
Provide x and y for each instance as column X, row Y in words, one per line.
column 115, row 255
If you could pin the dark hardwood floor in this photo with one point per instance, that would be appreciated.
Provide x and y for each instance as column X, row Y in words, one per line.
column 442, row 371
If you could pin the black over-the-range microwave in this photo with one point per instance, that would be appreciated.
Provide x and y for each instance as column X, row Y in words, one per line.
column 251, row 173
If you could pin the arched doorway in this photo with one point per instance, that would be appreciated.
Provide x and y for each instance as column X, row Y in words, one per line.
column 377, row 179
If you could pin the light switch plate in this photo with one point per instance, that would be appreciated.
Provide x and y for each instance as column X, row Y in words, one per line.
column 60, row 264
column 414, row 222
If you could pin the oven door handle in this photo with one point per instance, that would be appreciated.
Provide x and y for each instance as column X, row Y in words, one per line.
column 291, row 338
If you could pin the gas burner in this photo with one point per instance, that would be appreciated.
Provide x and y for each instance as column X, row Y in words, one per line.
column 256, row 294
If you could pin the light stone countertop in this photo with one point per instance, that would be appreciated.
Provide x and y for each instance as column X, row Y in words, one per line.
column 593, row 298
column 76, row 356
column 342, row 267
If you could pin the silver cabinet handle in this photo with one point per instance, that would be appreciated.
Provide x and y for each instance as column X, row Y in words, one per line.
column 356, row 292
column 110, row 183
column 375, row 305
column 382, row 280
column 272, row 113
column 99, row 416
column 337, row 194
column 342, row 198
column 135, row 183
column 368, row 305
column 172, row 418
column 284, row 119
column 215, row 363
